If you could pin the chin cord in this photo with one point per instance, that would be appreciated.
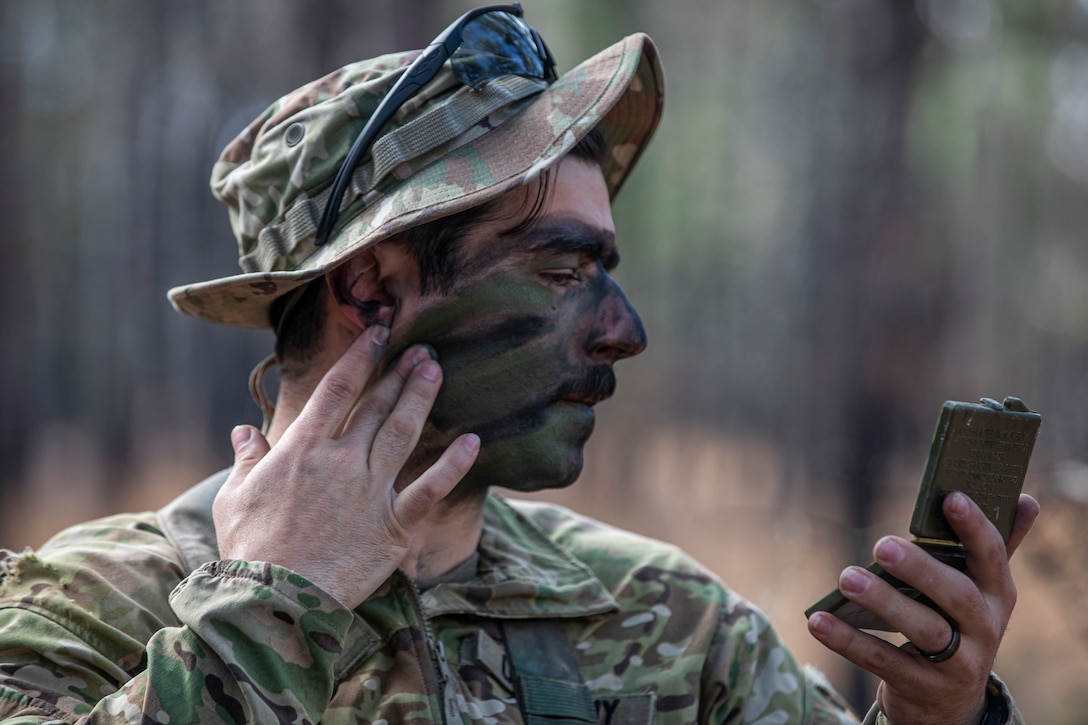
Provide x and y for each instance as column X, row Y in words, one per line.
column 260, row 396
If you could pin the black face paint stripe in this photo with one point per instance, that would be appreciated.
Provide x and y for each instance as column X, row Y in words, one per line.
column 512, row 332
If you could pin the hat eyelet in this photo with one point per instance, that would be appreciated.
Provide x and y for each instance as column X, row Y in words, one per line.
column 294, row 134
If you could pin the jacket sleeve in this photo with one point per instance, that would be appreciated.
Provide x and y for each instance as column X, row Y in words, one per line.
column 754, row 678
column 88, row 634
column 751, row 676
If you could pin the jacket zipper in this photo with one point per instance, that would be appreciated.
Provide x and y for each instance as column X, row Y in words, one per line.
column 439, row 666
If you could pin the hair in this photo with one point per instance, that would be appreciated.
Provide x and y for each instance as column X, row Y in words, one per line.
column 298, row 317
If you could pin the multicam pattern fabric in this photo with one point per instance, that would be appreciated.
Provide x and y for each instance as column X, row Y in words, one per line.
column 109, row 623
column 273, row 177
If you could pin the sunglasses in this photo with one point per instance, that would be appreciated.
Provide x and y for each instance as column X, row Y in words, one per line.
column 482, row 44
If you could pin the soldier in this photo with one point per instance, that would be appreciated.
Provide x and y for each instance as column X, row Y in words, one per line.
column 430, row 237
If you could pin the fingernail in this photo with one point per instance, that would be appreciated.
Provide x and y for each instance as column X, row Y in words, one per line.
column 472, row 442
column 240, row 436
column 958, row 506
column 888, row 551
column 851, row 581
column 429, row 369
column 419, row 354
column 819, row 623
column 379, row 334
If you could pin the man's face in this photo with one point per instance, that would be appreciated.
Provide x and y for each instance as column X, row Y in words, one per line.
column 528, row 335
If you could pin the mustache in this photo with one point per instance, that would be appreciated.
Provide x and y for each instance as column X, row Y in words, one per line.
column 590, row 387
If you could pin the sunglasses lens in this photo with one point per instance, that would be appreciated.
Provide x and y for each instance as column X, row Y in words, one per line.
column 497, row 44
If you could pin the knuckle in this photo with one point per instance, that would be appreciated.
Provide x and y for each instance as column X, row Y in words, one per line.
column 222, row 505
column 248, row 457
column 381, row 406
column 402, row 428
column 303, row 439
column 340, row 388
column 415, row 507
column 936, row 631
column 970, row 602
column 376, row 405
column 874, row 659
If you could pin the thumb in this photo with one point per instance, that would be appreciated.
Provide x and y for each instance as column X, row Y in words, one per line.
column 249, row 448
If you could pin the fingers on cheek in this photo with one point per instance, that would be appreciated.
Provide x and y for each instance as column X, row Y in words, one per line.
column 429, row 371
column 419, row 393
column 413, row 358
column 471, row 444
column 413, row 504
column 415, row 372
column 461, row 454
column 452, row 466
column 456, row 460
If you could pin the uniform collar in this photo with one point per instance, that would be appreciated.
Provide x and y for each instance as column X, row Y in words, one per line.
column 522, row 574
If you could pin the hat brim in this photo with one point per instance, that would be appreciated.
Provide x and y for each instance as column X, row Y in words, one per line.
column 620, row 90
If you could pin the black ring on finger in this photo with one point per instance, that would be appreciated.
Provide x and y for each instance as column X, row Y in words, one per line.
column 949, row 649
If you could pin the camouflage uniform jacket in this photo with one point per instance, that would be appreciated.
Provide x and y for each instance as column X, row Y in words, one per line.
column 134, row 619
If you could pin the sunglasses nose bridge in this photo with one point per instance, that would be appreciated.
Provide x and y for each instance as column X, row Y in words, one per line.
column 499, row 44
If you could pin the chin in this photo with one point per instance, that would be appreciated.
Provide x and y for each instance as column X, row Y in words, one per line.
column 530, row 452
column 529, row 472
column 558, row 476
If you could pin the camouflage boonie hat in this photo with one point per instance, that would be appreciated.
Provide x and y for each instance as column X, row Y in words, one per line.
column 275, row 176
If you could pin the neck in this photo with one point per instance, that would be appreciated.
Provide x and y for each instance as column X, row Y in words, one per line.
column 447, row 537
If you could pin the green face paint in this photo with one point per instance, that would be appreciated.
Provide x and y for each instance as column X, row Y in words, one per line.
column 510, row 349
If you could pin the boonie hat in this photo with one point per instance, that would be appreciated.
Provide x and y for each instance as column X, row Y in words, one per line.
column 275, row 176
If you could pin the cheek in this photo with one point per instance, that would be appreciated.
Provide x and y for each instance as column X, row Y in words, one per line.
column 487, row 382
column 500, row 349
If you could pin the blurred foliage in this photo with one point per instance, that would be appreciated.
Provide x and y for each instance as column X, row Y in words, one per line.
column 853, row 211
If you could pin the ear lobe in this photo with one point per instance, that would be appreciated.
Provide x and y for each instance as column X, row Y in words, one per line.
column 360, row 294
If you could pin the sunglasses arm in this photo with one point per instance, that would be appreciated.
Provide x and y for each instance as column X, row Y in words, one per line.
column 418, row 74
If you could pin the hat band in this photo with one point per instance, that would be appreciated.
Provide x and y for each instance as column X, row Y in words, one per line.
column 434, row 133
column 440, row 125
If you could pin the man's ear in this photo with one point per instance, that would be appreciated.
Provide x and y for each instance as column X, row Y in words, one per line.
column 359, row 291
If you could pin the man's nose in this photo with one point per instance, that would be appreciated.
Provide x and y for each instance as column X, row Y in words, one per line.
column 618, row 332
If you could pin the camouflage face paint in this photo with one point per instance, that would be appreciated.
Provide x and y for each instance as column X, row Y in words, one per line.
column 527, row 339
column 508, row 356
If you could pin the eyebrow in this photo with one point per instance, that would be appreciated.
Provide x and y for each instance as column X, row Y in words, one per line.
column 570, row 236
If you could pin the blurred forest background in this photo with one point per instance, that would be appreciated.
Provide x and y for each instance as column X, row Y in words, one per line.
column 853, row 211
